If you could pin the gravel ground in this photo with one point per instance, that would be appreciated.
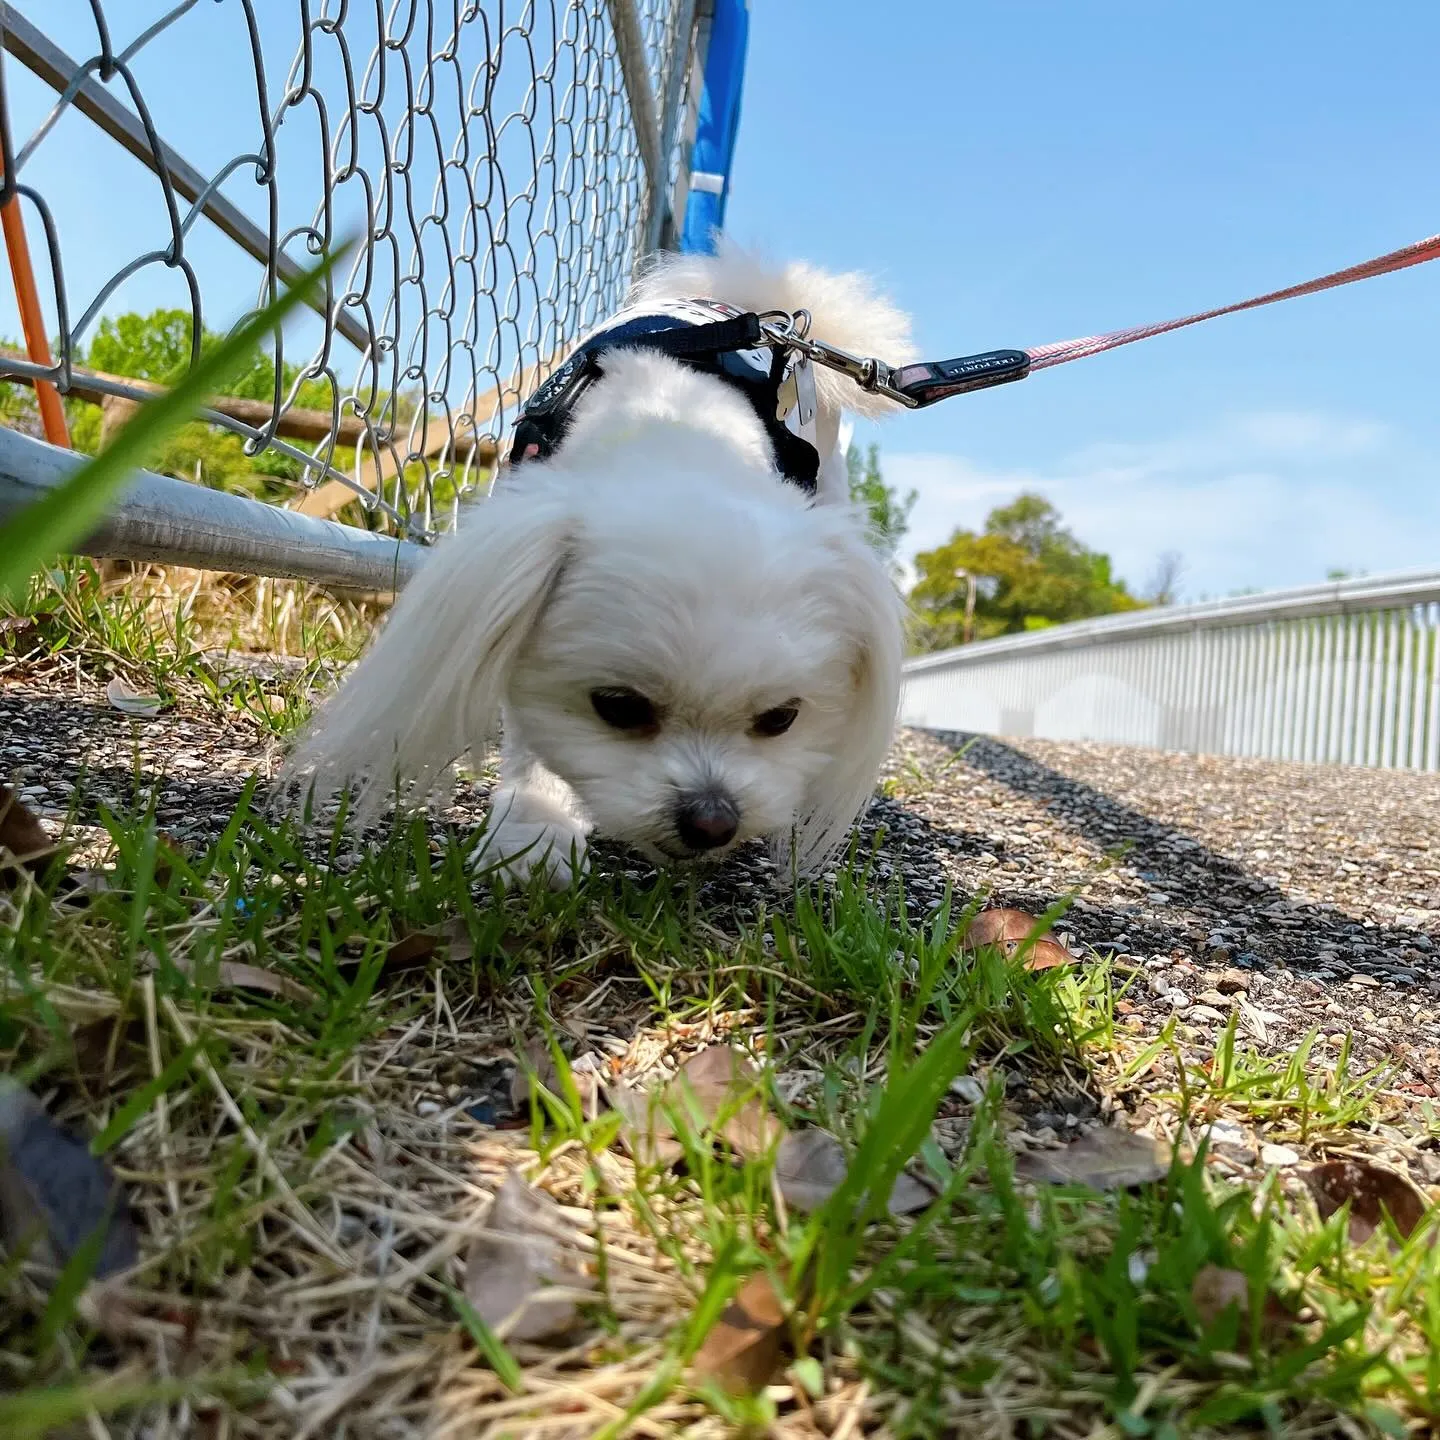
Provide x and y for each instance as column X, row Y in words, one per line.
column 1308, row 896
column 1303, row 895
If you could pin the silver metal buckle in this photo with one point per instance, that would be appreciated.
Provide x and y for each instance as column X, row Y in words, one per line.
column 791, row 332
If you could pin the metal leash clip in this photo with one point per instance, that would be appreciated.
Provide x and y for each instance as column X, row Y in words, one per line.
column 796, row 395
column 913, row 386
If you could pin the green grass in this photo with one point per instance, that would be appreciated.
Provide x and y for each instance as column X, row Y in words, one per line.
column 280, row 1162
column 1294, row 1093
column 189, row 645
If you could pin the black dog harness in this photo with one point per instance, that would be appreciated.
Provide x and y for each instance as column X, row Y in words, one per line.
column 708, row 336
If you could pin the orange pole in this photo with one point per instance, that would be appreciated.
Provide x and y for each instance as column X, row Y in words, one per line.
column 32, row 322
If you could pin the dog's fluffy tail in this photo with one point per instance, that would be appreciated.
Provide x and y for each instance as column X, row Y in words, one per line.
column 844, row 309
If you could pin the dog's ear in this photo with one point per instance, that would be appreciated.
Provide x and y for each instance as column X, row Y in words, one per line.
column 431, row 686
column 865, row 596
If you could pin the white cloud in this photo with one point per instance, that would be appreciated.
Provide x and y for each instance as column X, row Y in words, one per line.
column 1260, row 500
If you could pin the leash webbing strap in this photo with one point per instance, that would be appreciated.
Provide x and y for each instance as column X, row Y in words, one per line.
column 1043, row 356
column 925, row 382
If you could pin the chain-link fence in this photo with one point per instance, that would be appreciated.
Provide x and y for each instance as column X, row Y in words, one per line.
column 502, row 165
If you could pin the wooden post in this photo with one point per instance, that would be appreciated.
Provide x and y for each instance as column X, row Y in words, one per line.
column 115, row 412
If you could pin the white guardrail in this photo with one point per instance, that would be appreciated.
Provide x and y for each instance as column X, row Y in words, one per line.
column 1345, row 673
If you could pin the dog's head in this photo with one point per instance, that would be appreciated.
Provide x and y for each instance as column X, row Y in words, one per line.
column 705, row 668
column 701, row 656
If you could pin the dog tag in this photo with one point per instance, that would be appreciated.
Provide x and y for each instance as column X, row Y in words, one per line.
column 787, row 397
column 797, row 396
column 804, row 378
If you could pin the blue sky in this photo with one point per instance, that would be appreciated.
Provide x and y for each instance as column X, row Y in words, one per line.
column 1026, row 172
column 1019, row 173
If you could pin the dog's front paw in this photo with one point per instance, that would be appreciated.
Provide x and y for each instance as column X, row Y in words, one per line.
column 521, row 848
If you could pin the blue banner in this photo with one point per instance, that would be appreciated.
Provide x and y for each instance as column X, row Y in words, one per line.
column 719, row 120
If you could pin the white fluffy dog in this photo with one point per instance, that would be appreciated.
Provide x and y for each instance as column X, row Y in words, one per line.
column 680, row 648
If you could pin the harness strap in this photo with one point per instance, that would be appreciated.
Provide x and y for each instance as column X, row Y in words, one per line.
column 741, row 333
column 711, row 347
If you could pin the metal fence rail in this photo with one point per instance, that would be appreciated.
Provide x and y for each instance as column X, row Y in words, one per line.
column 1345, row 673
column 503, row 165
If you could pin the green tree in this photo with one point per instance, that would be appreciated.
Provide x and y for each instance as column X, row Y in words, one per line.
column 157, row 347
column 18, row 409
column 889, row 511
column 1029, row 572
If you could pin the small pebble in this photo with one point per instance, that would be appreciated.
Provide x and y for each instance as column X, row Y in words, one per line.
column 1229, row 1132
column 1278, row 1157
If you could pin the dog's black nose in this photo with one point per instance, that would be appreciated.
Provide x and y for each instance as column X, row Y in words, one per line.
column 707, row 821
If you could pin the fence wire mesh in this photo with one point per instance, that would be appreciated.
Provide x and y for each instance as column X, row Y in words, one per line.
column 501, row 167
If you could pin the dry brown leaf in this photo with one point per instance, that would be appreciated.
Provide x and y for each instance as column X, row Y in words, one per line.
column 706, row 1087
column 1009, row 930
column 1214, row 1290
column 810, row 1165
column 132, row 702
column 644, row 1130
column 1372, row 1192
column 411, row 952
column 995, row 927
column 448, row 941
column 744, row 1348
column 54, row 1194
column 236, row 975
column 535, row 1064
column 456, row 935
column 21, row 833
column 907, row 1195
column 722, row 1080
column 1039, row 954
column 1104, row 1159
column 524, row 1251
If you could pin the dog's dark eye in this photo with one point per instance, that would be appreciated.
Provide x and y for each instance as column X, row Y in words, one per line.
column 624, row 709
column 776, row 721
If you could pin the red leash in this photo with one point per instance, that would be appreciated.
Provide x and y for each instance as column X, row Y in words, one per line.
column 1042, row 356
column 926, row 382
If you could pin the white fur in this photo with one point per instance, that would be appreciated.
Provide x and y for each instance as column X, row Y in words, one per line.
column 657, row 550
